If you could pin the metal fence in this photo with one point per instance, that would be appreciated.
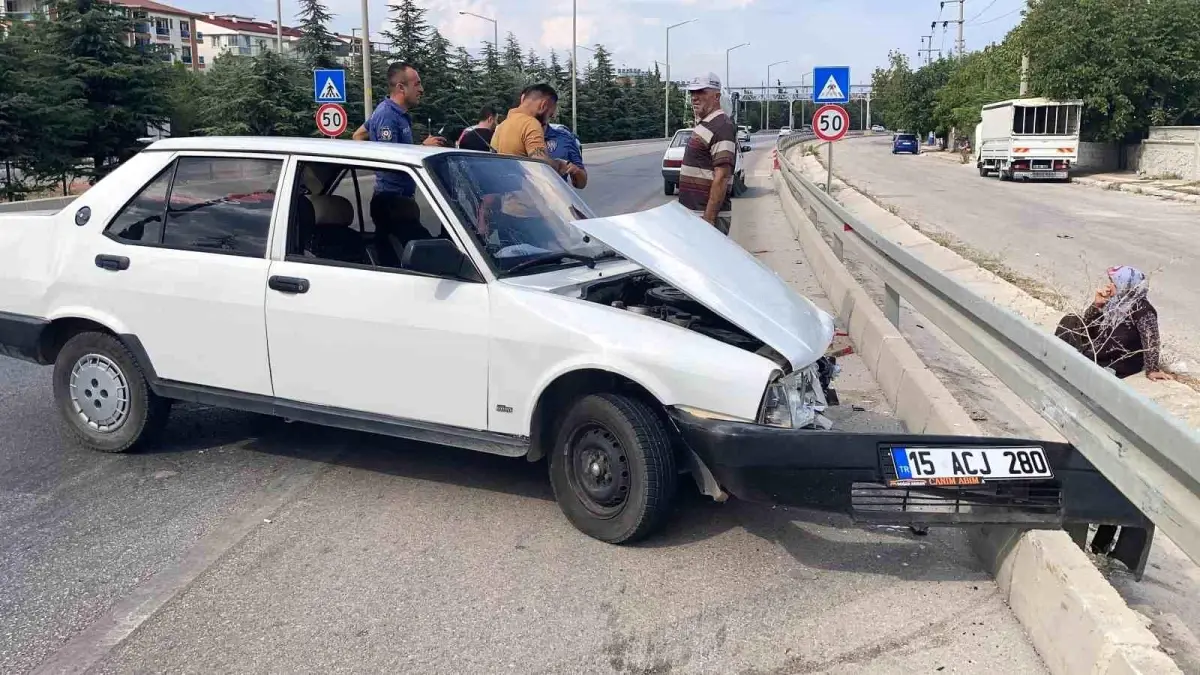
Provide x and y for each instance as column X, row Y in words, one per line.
column 1148, row 454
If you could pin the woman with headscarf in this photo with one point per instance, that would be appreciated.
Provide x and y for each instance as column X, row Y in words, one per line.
column 1119, row 330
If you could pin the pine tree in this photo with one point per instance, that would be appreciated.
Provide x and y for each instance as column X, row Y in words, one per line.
column 258, row 96
column 512, row 53
column 535, row 68
column 316, row 44
column 42, row 111
column 125, row 90
column 409, row 34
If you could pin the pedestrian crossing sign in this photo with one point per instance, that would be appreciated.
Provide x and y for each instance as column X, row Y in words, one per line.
column 831, row 84
column 329, row 85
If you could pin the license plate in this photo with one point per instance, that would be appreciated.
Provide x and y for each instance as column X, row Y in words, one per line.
column 1049, row 174
column 968, row 466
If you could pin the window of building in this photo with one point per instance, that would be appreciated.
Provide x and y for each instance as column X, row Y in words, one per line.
column 186, row 55
column 162, row 26
column 185, row 28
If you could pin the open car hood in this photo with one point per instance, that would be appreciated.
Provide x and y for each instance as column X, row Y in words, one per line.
column 688, row 253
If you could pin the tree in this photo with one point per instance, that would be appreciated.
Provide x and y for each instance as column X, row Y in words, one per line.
column 408, row 34
column 1133, row 63
column 512, row 53
column 986, row 76
column 124, row 89
column 316, row 44
column 42, row 113
column 256, row 96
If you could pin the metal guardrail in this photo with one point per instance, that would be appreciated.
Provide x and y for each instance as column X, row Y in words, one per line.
column 1148, row 454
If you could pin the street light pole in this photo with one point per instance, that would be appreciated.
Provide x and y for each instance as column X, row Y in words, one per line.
column 767, row 93
column 667, row 90
column 366, row 62
column 495, row 29
column 574, row 70
column 279, row 26
column 728, row 90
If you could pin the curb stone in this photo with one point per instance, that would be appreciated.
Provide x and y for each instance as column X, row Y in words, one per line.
column 1073, row 616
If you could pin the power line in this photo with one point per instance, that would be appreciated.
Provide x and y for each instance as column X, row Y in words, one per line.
column 1007, row 14
column 985, row 9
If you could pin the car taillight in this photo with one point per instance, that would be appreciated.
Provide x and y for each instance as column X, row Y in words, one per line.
column 1021, row 164
column 1061, row 164
column 672, row 163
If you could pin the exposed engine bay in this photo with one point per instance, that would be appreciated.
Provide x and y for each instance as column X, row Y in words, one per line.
column 648, row 295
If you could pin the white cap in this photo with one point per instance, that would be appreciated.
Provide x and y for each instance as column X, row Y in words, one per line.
column 709, row 81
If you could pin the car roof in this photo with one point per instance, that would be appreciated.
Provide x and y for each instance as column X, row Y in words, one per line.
column 367, row 150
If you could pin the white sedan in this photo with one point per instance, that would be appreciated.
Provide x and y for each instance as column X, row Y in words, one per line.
column 785, row 131
column 460, row 298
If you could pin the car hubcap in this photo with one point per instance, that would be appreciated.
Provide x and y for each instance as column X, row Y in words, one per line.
column 99, row 393
column 598, row 471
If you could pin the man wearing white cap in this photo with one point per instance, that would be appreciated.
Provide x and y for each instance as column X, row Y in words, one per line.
column 710, row 155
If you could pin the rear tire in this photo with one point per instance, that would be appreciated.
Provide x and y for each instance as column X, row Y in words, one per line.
column 668, row 188
column 103, row 395
column 983, row 172
column 612, row 469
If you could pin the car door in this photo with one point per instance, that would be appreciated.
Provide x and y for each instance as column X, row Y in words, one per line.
column 182, row 267
column 347, row 331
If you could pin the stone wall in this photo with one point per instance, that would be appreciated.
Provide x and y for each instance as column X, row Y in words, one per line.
column 1171, row 152
column 1098, row 157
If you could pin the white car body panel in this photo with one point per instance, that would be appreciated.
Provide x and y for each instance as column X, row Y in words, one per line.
column 402, row 345
column 540, row 336
column 691, row 255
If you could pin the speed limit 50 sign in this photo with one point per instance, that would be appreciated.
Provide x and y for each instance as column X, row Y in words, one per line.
column 331, row 119
column 831, row 122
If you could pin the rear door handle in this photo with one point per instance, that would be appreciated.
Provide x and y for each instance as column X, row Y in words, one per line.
column 288, row 284
column 115, row 263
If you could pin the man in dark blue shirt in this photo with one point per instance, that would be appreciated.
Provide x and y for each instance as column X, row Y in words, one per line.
column 394, row 210
column 562, row 143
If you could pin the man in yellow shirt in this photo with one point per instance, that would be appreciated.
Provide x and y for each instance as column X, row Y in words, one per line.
column 522, row 132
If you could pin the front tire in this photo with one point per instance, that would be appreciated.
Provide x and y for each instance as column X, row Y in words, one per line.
column 103, row 395
column 612, row 469
column 668, row 188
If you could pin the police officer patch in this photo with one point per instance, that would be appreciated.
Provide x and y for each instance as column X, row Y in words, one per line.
column 385, row 133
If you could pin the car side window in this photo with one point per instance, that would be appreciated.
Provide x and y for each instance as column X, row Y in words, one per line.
column 222, row 204
column 142, row 218
column 337, row 217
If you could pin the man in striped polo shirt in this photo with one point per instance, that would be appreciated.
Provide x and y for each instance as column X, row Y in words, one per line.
column 710, row 155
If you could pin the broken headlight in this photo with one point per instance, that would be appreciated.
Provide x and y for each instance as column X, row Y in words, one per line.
column 795, row 401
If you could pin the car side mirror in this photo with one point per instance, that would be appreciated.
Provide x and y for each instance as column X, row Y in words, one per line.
column 438, row 257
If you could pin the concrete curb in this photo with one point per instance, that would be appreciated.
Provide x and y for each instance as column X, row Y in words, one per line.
column 1133, row 188
column 1075, row 619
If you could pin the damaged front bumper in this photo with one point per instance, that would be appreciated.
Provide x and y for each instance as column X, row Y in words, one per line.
column 851, row 473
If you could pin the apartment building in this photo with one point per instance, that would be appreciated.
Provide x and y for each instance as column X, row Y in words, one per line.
column 241, row 35
column 168, row 30
column 19, row 10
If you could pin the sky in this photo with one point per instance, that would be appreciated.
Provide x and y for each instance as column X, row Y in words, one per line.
column 805, row 33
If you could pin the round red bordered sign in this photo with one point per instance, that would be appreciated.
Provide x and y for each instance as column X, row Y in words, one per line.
column 831, row 122
column 331, row 119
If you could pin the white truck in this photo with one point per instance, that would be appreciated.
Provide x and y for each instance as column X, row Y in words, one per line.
column 1029, row 138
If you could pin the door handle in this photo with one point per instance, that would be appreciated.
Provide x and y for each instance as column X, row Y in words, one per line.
column 288, row 284
column 115, row 263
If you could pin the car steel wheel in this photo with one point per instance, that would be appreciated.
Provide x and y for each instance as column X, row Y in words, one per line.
column 99, row 393
column 598, row 471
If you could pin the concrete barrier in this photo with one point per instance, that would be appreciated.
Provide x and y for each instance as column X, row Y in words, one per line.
column 1074, row 617
column 48, row 204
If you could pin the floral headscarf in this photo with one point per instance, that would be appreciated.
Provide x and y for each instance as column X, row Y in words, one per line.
column 1132, row 288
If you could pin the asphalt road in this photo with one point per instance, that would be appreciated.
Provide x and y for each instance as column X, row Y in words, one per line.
column 1062, row 235
column 245, row 544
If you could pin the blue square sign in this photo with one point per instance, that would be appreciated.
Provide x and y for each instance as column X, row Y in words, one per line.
column 831, row 84
column 329, row 86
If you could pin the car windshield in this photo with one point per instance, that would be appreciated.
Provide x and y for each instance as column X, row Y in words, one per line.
column 519, row 211
column 681, row 139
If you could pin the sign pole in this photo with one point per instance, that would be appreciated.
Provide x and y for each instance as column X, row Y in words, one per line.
column 829, row 167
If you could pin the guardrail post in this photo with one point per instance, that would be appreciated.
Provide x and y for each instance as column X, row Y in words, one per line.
column 839, row 247
column 891, row 305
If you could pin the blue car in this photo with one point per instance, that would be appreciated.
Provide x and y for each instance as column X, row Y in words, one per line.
column 906, row 143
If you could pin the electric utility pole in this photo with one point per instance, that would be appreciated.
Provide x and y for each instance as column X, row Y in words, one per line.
column 960, row 45
column 927, row 51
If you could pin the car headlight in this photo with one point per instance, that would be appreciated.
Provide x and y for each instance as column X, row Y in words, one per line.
column 794, row 401
column 775, row 410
